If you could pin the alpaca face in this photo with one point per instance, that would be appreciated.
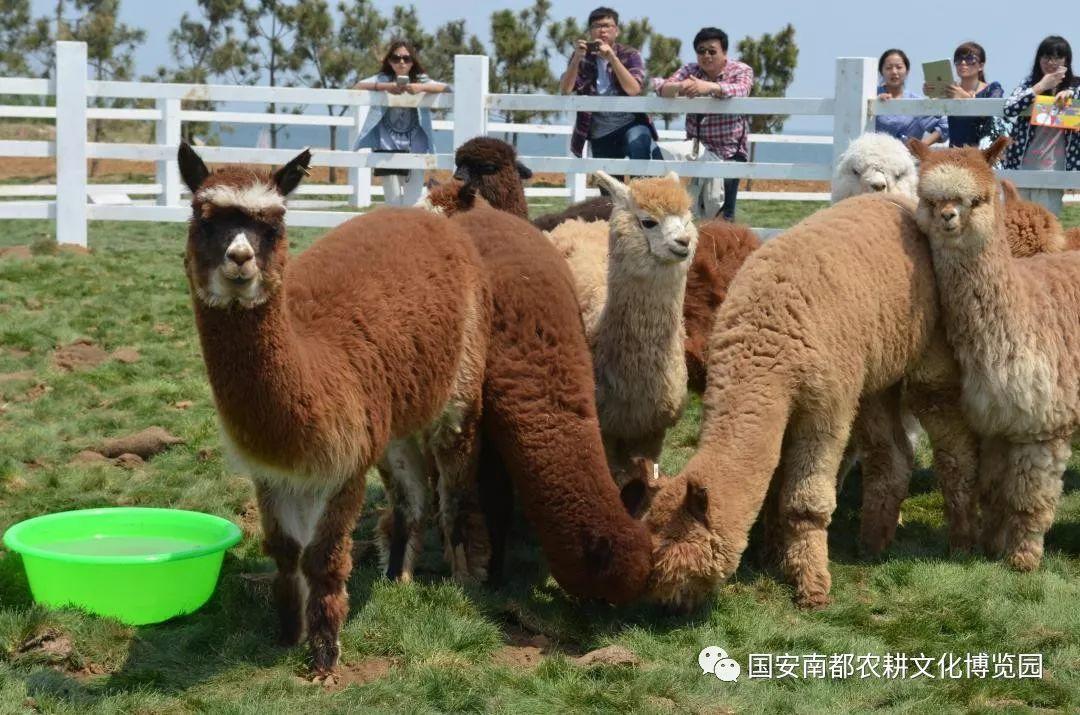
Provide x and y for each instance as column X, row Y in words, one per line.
column 874, row 163
column 651, row 224
column 234, row 256
column 688, row 561
column 236, row 247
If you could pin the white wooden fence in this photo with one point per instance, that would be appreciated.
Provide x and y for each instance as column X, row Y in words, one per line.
column 853, row 108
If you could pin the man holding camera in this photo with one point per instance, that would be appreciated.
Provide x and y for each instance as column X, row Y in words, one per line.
column 602, row 67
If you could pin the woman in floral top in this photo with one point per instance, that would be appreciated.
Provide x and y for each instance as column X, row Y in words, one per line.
column 1044, row 148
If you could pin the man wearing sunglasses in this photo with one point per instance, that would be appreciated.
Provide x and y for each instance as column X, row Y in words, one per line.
column 602, row 67
column 715, row 75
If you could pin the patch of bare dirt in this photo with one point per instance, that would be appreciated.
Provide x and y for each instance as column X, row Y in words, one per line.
column 18, row 253
column 33, row 393
column 126, row 355
column 611, row 655
column 89, row 456
column 522, row 649
column 55, row 649
column 205, row 454
column 18, row 352
column 361, row 673
column 249, row 518
column 80, row 355
column 127, row 460
column 184, row 405
column 163, row 329
column 33, row 304
column 145, row 444
column 19, row 376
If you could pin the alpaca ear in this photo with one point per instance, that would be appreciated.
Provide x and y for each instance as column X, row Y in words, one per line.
column 673, row 177
column 289, row 176
column 192, row 169
column 993, row 152
column 918, row 149
column 617, row 189
column 523, row 171
column 1008, row 189
column 637, row 494
column 697, row 502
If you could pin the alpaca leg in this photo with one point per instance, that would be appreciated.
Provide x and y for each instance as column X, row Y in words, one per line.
column 326, row 563
column 887, row 461
column 1032, row 488
column 496, row 492
column 993, row 455
column 455, row 447
column 406, row 474
column 285, row 551
column 956, row 468
column 812, row 452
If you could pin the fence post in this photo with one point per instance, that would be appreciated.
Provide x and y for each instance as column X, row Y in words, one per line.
column 359, row 176
column 856, row 85
column 168, row 134
column 71, row 151
column 470, row 97
column 577, row 187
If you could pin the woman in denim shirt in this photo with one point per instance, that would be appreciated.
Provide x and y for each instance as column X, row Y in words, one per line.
column 893, row 66
column 399, row 129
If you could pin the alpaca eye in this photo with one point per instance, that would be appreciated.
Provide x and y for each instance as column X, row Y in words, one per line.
column 976, row 203
column 649, row 223
column 855, row 171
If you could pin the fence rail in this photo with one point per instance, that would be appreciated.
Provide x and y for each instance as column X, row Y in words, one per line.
column 853, row 108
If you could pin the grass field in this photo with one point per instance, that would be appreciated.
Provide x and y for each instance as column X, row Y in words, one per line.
column 432, row 646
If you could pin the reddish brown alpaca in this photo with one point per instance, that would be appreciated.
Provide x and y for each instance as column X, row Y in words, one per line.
column 540, row 414
column 316, row 364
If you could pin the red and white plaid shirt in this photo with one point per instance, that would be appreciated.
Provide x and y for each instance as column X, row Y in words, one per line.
column 724, row 134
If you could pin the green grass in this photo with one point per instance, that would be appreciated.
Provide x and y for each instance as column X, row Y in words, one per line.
column 441, row 641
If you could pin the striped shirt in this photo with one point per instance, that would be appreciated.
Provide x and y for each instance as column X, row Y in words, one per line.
column 724, row 134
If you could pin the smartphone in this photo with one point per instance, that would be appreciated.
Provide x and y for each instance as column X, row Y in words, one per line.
column 592, row 45
column 402, row 80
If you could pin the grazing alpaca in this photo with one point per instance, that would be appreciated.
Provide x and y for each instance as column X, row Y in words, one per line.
column 636, row 335
column 1014, row 325
column 540, row 416
column 874, row 163
column 1031, row 227
column 376, row 332
column 838, row 308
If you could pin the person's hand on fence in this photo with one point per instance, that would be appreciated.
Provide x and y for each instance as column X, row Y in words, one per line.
column 884, row 96
column 694, row 87
column 414, row 88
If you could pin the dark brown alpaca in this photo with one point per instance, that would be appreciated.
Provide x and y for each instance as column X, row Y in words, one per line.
column 491, row 167
column 597, row 208
column 376, row 332
column 540, row 413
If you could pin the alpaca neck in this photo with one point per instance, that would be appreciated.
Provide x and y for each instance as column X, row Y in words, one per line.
column 260, row 375
column 644, row 314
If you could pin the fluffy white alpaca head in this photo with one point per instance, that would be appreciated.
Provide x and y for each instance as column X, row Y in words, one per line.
column 874, row 162
column 651, row 224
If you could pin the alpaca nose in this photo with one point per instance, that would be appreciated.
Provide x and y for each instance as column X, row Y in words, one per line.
column 878, row 185
column 949, row 214
column 240, row 251
column 683, row 241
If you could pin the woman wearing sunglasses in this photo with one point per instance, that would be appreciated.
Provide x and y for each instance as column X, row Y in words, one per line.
column 969, row 59
column 1044, row 148
column 715, row 75
column 399, row 129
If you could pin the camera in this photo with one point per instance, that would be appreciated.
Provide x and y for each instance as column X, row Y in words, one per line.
column 402, row 80
column 592, row 46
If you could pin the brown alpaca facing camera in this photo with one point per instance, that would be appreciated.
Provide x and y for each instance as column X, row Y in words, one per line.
column 318, row 363
column 1014, row 324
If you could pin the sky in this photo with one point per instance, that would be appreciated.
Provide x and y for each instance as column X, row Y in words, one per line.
column 823, row 30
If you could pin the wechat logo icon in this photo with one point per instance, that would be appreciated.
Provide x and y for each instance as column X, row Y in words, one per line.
column 715, row 660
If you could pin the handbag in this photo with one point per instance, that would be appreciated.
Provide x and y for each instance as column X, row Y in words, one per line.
column 706, row 192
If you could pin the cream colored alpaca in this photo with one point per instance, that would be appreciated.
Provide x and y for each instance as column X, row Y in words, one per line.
column 633, row 316
column 1014, row 325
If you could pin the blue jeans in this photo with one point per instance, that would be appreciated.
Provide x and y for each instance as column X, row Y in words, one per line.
column 631, row 142
column 731, row 191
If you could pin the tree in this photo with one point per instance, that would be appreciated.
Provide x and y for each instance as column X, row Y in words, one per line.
column 773, row 59
column 520, row 63
column 25, row 43
column 272, row 45
column 405, row 25
column 449, row 40
column 336, row 56
column 636, row 33
column 663, row 61
column 563, row 35
column 204, row 48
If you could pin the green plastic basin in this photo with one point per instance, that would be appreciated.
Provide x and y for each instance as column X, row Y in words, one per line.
column 134, row 564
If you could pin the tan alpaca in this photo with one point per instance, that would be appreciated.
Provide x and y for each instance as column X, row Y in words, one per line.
column 1014, row 325
column 634, row 314
column 376, row 332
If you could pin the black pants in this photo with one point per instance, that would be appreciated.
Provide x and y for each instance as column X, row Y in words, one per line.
column 731, row 191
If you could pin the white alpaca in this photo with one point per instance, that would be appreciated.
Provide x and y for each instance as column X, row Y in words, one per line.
column 873, row 163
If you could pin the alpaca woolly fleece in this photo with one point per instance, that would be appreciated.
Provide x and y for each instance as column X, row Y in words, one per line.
column 874, row 163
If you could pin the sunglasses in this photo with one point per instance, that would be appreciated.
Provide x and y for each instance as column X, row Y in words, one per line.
column 707, row 51
column 966, row 60
column 400, row 58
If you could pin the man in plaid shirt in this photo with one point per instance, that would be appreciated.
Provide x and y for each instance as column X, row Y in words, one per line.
column 715, row 75
column 603, row 67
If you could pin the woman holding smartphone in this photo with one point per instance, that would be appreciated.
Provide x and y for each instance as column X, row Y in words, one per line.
column 969, row 59
column 1044, row 148
column 399, row 129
